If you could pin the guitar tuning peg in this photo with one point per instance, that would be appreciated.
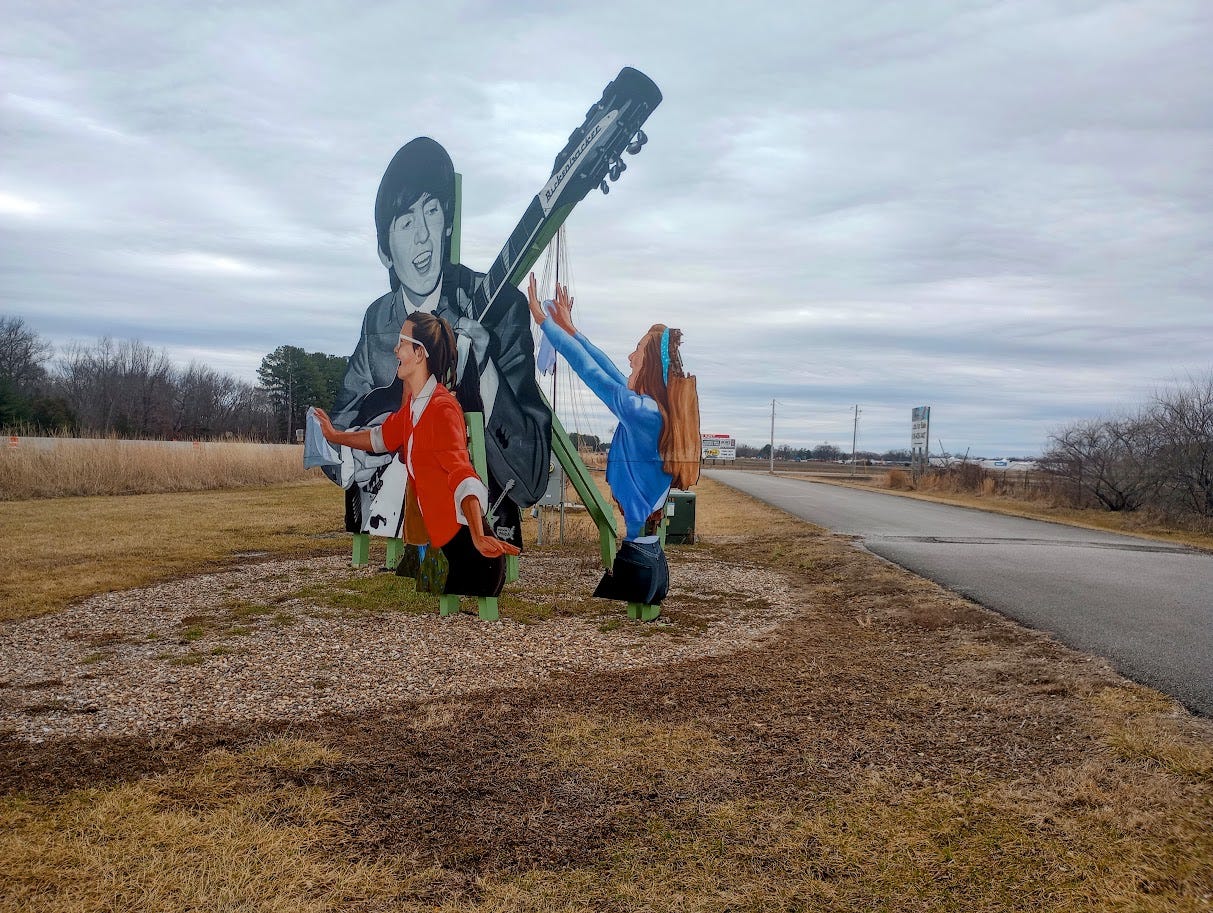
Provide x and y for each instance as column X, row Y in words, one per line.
column 633, row 148
column 637, row 142
column 615, row 171
column 641, row 137
column 605, row 188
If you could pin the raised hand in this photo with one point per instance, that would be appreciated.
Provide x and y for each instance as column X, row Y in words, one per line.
column 564, row 310
column 532, row 300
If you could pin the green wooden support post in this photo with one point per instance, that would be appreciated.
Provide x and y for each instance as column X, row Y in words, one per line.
column 486, row 608
column 642, row 612
column 448, row 605
column 395, row 548
column 456, row 219
column 362, row 550
column 475, row 423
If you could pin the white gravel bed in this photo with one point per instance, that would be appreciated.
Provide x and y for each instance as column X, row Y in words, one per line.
column 127, row 663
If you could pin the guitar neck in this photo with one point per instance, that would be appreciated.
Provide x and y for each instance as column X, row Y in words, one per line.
column 593, row 152
column 526, row 242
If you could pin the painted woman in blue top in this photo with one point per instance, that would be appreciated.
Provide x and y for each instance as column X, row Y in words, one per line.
column 656, row 444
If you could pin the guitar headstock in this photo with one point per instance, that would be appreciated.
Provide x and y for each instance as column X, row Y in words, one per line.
column 595, row 149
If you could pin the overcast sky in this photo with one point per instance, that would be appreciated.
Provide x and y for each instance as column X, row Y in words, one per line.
column 1000, row 209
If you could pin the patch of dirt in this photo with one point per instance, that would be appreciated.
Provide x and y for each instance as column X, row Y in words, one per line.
column 258, row 645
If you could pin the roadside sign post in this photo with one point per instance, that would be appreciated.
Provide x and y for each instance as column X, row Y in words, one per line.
column 920, row 437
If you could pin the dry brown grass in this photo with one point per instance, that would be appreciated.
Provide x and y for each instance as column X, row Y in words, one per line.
column 59, row 550
column 629, row 752
column 236, row 833
column 114, row 467
column 898, row 480
column 897, row 749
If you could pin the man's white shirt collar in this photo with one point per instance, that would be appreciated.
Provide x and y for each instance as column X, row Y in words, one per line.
column 430, row 305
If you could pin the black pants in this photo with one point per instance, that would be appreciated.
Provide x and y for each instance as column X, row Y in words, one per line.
column 640, row 574
column 455, row 569
column 471, row 573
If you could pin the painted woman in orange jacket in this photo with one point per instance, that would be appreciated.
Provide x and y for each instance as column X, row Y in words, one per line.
column 429, row 433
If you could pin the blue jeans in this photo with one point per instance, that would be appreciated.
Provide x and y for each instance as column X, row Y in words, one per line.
column 640, row 574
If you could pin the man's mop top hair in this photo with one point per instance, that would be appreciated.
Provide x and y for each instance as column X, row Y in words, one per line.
column 420, row 166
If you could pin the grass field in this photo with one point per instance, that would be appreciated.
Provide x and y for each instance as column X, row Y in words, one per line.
column 115, row 467
column 61, row 549
column 895, row 748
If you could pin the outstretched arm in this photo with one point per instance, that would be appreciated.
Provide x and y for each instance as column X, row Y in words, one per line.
column 591, row 365
column 563, row 317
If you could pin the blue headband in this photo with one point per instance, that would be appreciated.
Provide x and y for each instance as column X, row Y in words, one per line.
column 665, row 356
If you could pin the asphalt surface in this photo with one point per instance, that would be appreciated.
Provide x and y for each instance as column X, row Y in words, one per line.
column 1145, row 605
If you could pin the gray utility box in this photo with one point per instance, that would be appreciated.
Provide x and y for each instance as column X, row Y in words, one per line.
column 680, row 514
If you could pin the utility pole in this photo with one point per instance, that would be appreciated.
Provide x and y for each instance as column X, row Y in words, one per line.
column 772, row 470
column 854, row 439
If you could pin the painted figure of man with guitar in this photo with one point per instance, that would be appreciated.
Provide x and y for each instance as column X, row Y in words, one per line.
column 414, row 216
column 414, row 211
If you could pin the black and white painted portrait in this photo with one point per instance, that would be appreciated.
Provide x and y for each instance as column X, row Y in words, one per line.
column 414, row 219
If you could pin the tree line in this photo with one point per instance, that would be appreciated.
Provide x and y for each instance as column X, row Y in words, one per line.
column 1158, row 456
column 824, row 452
column 129, row 389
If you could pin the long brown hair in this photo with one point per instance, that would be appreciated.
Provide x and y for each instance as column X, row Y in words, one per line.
column 677, row 400
column 439, row 340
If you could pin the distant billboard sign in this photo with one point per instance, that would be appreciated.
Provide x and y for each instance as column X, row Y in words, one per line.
column 920, row 436
column 719, row 447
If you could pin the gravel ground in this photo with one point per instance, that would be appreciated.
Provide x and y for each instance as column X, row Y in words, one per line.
column 164, row 657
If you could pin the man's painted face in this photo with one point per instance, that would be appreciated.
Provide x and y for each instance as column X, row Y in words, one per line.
column 415, row 245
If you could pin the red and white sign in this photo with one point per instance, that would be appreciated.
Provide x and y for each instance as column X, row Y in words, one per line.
column 719, row 447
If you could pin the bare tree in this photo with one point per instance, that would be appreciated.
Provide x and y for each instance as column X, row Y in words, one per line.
column 118, row 387
column 1184, row 417
column 1112, row 459
column 23, row 354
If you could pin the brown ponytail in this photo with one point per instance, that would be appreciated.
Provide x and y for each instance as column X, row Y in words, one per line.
column 677, row 399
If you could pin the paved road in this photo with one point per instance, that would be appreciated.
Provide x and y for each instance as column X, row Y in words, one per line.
column 1145, row 605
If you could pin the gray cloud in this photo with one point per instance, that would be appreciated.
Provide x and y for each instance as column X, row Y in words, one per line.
column 1003, row 210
